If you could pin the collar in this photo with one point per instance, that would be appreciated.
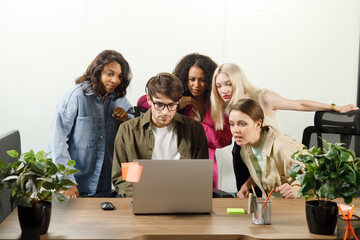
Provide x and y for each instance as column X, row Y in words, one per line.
column 102, row 98
column 270, row 138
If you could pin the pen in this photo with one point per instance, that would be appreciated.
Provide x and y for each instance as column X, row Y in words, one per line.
column 268, row 197
column 252, row 187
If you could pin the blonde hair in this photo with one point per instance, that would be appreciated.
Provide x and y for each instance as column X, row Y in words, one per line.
column 242, row 88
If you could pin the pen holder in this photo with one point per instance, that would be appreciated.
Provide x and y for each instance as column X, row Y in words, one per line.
column 261, row 211
column 342, row 225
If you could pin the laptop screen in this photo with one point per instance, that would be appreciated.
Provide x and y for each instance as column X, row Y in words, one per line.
column 168, row 186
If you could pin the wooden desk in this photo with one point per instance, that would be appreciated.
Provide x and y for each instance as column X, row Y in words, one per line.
column 84, row 219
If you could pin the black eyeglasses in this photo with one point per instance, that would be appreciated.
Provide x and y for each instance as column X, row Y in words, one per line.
column 161, row 106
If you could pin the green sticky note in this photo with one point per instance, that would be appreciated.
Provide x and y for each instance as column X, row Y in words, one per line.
column 235, row 211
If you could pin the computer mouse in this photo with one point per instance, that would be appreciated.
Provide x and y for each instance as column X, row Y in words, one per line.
column 107, row 206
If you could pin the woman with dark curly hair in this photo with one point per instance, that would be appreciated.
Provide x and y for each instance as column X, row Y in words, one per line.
column 86, row 122
column 195, row 71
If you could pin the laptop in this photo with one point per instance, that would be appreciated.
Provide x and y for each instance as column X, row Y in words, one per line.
column 174, row 186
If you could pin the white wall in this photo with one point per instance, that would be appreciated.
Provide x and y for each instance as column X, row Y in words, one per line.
column 306, row 49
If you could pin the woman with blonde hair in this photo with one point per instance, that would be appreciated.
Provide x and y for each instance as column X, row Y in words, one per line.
column 230, row 84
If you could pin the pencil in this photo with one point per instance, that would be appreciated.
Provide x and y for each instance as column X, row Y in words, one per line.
column 268, row 197
column 253, row 189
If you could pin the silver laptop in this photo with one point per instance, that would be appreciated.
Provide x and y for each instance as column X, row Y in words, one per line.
column 174, row 186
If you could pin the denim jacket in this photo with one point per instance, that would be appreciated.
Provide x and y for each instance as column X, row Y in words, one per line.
column 84, row 130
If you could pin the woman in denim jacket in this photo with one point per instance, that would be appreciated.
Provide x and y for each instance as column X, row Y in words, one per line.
column 86, row 122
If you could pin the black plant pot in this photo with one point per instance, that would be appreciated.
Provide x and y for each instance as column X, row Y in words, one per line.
column 321, row 220
column 35, row 218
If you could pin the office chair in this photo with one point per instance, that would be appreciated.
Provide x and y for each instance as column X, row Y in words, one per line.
column 8, row 141
column 334, row 127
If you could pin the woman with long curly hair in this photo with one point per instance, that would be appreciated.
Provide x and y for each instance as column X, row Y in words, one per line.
column 86, row 122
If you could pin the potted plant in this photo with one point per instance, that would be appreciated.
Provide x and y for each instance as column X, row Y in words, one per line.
column 326, row 174
column 35, row 181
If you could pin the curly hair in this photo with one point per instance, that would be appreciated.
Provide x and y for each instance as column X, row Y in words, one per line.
column 195, row 59
column 93, row 72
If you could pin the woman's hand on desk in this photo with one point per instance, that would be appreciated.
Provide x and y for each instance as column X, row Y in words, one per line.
column 288, row 191
column 72, row 192
column 243, row 192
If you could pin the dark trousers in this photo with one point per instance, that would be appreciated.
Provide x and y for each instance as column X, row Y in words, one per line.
column 240, row 169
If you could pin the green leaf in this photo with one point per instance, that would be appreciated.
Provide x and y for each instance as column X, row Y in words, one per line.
column 23, row 201
column 51, row 168
column 294, row 170
column 39, row 168
column 29, row 157
column 346, row 156
column 45, row 195
column 332, row 153
column 13, row 177
column 347, row 199
column 1, row 165
column 71, row 163
column 300, row 178
column 347, row 191
column 334, row 174
column 327, row 191
column 307, row 197
column 49, row 179
column 61, row 167
column 14, row 192
column 71, row 171
column 12, row 153
column 60, row 197
column 49, row 185
column 348, row 174
column 67, row 182
column 308, row 159
column 294, row 154
column 39, row 155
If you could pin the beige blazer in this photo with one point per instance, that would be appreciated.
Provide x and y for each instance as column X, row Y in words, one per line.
column 276, row 154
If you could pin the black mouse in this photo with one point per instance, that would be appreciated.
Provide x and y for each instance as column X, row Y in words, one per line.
column 107, row 206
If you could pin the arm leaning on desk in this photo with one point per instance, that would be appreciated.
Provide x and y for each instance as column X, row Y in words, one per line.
column 83, row 218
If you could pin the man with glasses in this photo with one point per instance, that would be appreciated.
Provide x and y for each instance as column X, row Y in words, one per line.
column 161, row 133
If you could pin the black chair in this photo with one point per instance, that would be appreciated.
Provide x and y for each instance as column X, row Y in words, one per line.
column 217, row 193
column 8, row 141
column 334, row 127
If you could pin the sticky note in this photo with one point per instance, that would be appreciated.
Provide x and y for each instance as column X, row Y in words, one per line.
column 134, row 173
column 345, row 208
column 235, row 211
column 125, row 167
